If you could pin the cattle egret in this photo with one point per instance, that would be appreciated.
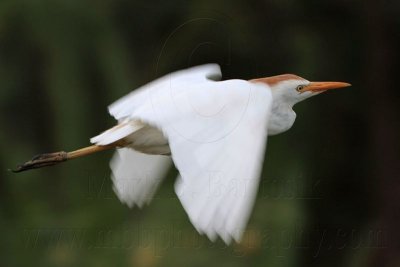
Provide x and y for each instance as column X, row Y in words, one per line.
column 215, row 133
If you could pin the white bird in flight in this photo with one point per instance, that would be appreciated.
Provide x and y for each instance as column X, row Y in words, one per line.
column 214, row 131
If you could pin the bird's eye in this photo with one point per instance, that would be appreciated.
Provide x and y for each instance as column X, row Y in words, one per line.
column 299, row 88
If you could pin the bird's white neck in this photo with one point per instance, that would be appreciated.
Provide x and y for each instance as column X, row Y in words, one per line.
column 282, row 116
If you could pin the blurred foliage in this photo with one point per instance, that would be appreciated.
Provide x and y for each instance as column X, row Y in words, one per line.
column 328, row 196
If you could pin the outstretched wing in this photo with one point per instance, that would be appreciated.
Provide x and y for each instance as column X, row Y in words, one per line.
column 217, row 134
column 135, row 175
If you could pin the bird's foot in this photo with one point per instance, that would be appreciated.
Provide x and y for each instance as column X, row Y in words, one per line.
column 42, row 160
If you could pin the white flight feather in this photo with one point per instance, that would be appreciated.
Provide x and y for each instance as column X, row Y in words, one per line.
column 216, row 133
column 136, row 176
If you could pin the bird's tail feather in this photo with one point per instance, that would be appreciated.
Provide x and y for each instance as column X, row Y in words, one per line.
column 116, row 133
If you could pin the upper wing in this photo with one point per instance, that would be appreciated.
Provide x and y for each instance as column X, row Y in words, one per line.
column 217, row 133
column 126, row 105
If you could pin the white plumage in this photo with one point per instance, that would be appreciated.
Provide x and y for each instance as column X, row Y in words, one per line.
column 216, row 132
column 136, row 176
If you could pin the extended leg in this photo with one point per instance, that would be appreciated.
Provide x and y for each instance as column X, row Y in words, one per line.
column 49, row 159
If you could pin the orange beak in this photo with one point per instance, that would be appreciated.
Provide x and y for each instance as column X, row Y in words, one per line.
column 323, row 86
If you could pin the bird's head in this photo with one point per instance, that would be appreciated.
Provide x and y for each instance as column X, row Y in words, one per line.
column 287, row 90
column 290, row 89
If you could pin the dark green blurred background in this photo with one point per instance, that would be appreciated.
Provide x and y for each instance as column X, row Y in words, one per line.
column 330, row 191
